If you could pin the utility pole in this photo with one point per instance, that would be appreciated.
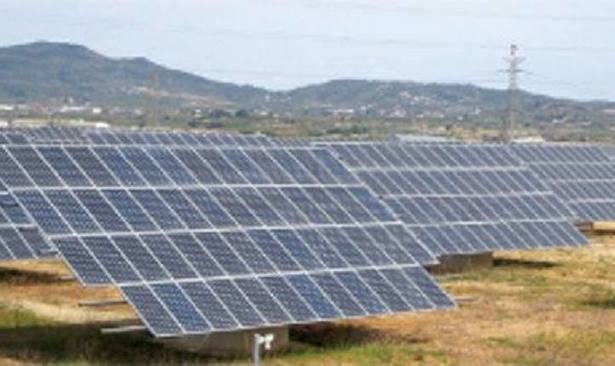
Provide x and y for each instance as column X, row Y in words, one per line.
column 514, row 61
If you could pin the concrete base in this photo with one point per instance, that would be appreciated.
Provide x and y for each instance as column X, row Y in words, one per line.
column 229, row 344
column 456, row 263
column 599, row 227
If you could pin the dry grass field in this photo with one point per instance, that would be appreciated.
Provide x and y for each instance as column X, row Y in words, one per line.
column 533, row 308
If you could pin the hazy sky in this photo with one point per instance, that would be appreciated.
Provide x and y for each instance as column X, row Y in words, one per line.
column 569, row 45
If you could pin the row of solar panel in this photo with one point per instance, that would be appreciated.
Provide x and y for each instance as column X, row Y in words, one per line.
column 440, row 182
column 215, row 305
column 22, row 243
column 558, row 153
column 54, row 166
column 575, row 171
column 435, row 210
column 573, row 191
column 81, row 211
column 111, row 137
column 580, row 175
column 205, row 254
column 93, row 136
column 401, row 155
column 489, row 237
column 589, row 211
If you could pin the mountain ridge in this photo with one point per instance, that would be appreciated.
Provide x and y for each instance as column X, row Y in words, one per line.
column 52, row 72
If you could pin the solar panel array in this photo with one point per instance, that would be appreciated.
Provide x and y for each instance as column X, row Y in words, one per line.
column 462, row 198
column 581, row 175
column 202, row 239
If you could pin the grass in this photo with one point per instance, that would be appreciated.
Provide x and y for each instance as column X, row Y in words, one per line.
column 531, row 308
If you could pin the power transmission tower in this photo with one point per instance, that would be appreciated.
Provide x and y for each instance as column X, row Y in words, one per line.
column 513, row 70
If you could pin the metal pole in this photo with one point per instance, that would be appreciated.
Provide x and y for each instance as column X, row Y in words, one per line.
column 257, row 350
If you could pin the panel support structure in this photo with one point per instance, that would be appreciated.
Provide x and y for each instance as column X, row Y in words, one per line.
column 227, row 344
column 456, row 263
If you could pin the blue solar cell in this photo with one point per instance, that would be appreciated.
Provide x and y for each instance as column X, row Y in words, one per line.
column 349, row 252
column 283, row 206
column 129, row 210
column 221, row 166
column 222, row 253
column 248, row 251
column 37, row 243
column 411, row 293
column 180, row 205
column 42, row 212
column 151, row 310
column 273, row 170
column 168, row 255
column 312, row 294
column 36, row 168
column 313, row 166
column 236, row 302
column 369, row 248
column 157, row 209
column 361, row 292
column 319, row 196
column 234, row 206
column 72, row 211
column 63, row 165
column 297, row 249
column 387, row 293
column 370, row 202
column 101, row 210
column 81, row 261
column 390, row 241
column 11, row 174
column 181, row 308
column 143, row 261
column 145, row 165
column 292, row 166
column 122, row 169
column 90, row 164
column 209, row 305
column 289, row 299
column 340, row 172
column 111, row 259
column 325, row 251
column 14, row 213
column 428, row 287
column 263, row 301
column 304, row 203
column 192, row 250
column 350, row 204
column 171, row 166
column 197, row 166
column 259, row 206
column 210, row 208
column 338, row 294
column 15, row 243
column 246, row 166
column 273, row 250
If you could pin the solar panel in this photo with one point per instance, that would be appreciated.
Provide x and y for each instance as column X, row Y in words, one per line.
column 19, row 237
column 581, row 175
column 461, row 199
column 202, row 239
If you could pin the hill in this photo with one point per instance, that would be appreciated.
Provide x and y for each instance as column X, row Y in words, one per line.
column 44, row 71
column 60, row 73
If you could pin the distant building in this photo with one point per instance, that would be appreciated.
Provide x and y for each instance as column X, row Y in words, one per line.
column 420, row 138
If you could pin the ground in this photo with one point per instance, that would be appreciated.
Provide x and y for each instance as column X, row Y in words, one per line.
column 531, row 308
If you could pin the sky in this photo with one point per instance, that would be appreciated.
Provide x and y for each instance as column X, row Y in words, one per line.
column 569, row 47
